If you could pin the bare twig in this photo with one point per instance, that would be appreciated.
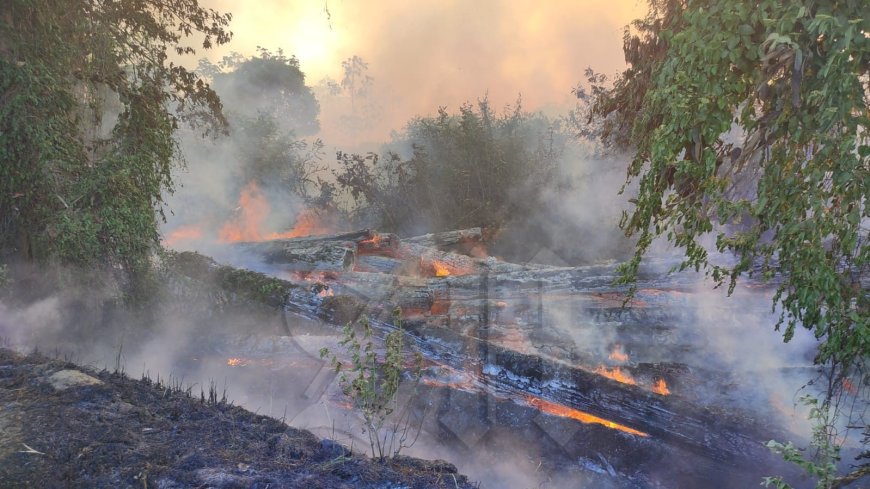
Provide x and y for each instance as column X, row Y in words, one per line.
column 30, row 450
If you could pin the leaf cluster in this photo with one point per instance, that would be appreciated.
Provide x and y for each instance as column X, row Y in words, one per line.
column 372, row 384
column 749, row 122
column 90, row 104
column 474, row 168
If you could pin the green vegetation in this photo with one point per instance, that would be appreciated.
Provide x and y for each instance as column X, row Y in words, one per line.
column 269, row 84
column 749, row 123
column 87, row 127
column 823, row 468
column 469, row 169
column 269, row 109
column 373, row 386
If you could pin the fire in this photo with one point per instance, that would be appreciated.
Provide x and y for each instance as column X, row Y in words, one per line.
column 567, row 412
column 183, row 233
column 661, row 387
column 849, row 387
column 618, row 355
column 244, row 362
column 440, row 269
column 325, row 292
column 249, row 225
column 308, row 223
column 616, row 374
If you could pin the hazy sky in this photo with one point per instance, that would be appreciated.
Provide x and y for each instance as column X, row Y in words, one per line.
column 424, row 54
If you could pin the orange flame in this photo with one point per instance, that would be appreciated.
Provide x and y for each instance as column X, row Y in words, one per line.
column 244, row 362
column 618, row 355
column 248, row 226
column 183, row 233
column 567, row 412
column 616, row 374
column 307, row 224
column 661, row 387
column 326, row 292
column 440, row 269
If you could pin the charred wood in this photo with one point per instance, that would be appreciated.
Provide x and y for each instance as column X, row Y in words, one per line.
column 448, row 238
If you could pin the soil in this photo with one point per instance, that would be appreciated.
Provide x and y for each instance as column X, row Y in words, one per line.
column 63, row 425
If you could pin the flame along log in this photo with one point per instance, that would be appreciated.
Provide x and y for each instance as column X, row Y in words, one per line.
column 336, row 253
column 721, row 434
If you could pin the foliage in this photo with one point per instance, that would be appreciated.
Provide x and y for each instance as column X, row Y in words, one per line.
column 269, row 85
column 268, row 107
column 470, row 169
column 823, row 468
column 77, row 187
column 373, row 386
column 275, row 159
column 355, row 80
column 750, row 121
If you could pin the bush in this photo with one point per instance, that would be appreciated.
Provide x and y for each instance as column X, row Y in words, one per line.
column 373, row 385
column 475, row 168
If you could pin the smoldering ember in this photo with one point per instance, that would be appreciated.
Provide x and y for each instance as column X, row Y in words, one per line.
column 423, row 244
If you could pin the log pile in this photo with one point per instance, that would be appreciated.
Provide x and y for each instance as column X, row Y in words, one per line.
column 495, row 320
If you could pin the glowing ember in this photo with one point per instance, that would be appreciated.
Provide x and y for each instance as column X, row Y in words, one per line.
column 183, row 233
column 374, row 241
column 440, row 269
column 616, row 374
column 566, row 412
column 244, row 362
column 661, row 387
column 325, row 292
column 618, row 355
column 849, row 387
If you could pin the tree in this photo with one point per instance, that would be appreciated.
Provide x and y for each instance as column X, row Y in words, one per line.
column 77, row 187
column 268, row 107
column 267, row 84
column 749, row 121
column 473, row 168
column 355, row 80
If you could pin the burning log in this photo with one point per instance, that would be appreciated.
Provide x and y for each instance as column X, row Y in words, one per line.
column 379, row 244
column 336, row 253
column 434, row 262
column 722, row 434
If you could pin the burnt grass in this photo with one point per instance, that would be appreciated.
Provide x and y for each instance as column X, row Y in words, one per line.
column 124, row 432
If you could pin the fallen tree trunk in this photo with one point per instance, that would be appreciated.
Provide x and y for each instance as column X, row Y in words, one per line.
column 291, row 254
column 448, row 238
column 724, row 435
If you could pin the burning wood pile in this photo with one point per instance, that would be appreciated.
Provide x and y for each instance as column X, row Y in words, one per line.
column 490, row 324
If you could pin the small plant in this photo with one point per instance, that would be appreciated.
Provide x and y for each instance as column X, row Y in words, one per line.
column 822, row 466
column 373, row 386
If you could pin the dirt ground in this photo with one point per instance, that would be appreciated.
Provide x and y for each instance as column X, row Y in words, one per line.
column 62, row 425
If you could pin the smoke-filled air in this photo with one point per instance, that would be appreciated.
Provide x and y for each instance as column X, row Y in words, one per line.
column 490, row 244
